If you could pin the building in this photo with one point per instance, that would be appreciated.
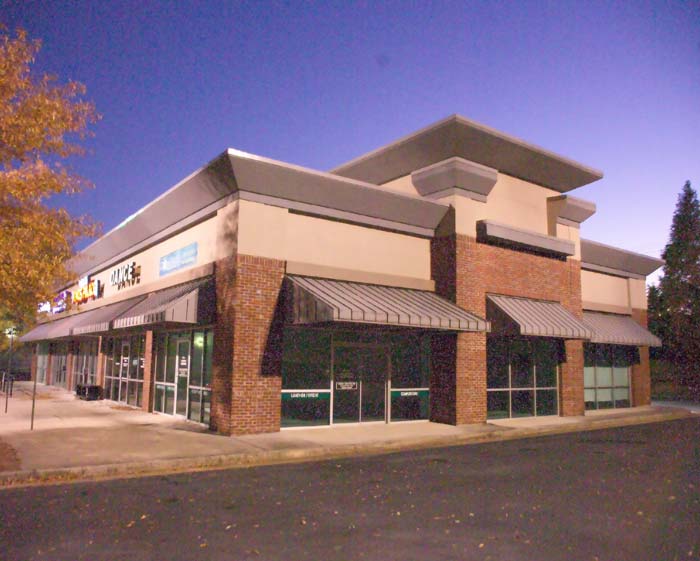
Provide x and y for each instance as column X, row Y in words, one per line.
column 441, row 277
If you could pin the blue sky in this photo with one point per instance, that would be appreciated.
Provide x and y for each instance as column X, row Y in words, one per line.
column 615, row 86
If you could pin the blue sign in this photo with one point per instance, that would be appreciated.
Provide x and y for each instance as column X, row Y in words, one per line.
column 179, row 259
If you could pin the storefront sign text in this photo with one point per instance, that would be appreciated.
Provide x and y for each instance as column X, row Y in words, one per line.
column 125, row 275
column 346, row 385
column 88, row 291
column 60, row 303
column 179, row 259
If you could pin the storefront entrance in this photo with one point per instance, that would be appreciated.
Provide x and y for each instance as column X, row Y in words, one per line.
column 183, row 374
column 344, row 377
column 360, row 375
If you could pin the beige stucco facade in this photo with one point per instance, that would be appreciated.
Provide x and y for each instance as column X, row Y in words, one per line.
column 611, row 293
column 277, row 233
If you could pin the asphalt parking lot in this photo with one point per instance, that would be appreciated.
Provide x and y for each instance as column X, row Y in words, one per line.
column 615, row 494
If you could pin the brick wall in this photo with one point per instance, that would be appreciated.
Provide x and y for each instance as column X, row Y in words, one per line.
column 465, row 271
column 148, row 378
column 641, row 374
column 248, row 346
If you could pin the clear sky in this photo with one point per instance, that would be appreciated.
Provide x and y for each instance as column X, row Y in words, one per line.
column 613, row 85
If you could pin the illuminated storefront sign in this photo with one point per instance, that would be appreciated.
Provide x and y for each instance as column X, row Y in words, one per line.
column 183, row 257
column 60, row 303
column 125, row 275
column 88, row 290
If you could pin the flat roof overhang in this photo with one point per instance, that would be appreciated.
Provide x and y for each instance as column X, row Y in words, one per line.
column 457, row 136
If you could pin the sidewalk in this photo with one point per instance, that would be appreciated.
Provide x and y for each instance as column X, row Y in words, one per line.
column 77, row 440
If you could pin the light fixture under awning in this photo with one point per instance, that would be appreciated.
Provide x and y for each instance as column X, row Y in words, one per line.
column 316, row 300
column 193, row 302
column 539, row 318
column 617, row 329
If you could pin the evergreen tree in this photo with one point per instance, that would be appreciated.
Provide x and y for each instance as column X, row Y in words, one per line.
column 678, row 304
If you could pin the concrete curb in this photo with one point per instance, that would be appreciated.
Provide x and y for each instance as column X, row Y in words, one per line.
column 26, row 478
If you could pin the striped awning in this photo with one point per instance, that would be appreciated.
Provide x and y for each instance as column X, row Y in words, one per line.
column 50, row 330
column 192, row 302
column 317, row 300
column 617, row 329
column 540, row 318
column 99, row 320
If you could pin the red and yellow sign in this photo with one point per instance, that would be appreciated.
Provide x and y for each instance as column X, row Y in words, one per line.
column 88, row 291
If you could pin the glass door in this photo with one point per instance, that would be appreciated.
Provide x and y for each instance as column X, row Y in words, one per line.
column 360, row 374
column 183, row 376
column 124, row 364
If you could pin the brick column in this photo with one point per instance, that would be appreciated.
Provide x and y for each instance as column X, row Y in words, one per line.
column 147, row 402
column 571, row 380
column 70, row 386
column 100, row 363
column 222, row 358
column 49, row 368
column 458, row 382
column 35, row 359
column 641, row 380
column 247, row 379
column 641, row 373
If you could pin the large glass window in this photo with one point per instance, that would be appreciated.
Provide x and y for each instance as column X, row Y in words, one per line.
column 606, row 375
column 410, row 375
column 361, row 389
column 306, row 378
column 124, row 366
column 85, row 363
column 42, row 361
column 182, row 374
column 59, row 354
column 522, row 376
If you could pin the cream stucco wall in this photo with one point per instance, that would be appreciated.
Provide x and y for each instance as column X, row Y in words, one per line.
column 204, row 234
column 616, row 292
column 638, row 293
column 512, row 201
column 274, row 232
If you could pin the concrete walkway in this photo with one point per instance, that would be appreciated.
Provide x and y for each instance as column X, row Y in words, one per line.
column 75, row 440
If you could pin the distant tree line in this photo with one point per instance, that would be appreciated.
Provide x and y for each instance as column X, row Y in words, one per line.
column 674, row 305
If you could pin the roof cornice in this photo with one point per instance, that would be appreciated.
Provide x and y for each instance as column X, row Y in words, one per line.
column 457, row 136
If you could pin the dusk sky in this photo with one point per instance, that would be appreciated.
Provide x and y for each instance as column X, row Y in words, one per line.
column 615, row 86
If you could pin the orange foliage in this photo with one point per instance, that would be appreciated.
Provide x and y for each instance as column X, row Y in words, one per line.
column 40, row 120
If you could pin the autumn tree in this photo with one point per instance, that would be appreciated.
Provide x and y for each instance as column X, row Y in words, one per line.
column 674, row 308
column 41, row 123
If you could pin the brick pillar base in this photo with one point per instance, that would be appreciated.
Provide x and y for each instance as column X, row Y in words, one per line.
column 147, row 400
column 70, row 359
column 571, row 383
column 641, row 379
column 247, row 378
column 34, row 363
column 458, row 379
column 100, row 365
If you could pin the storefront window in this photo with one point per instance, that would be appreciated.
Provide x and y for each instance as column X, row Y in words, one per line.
column 522, row 375
column 59, row 353
column 183, row 374
column 410, row 375
column 124, row 369
column 306, row 368
column 606, row 375
column 42, row 361
column 85, row 363
column 376, row 377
